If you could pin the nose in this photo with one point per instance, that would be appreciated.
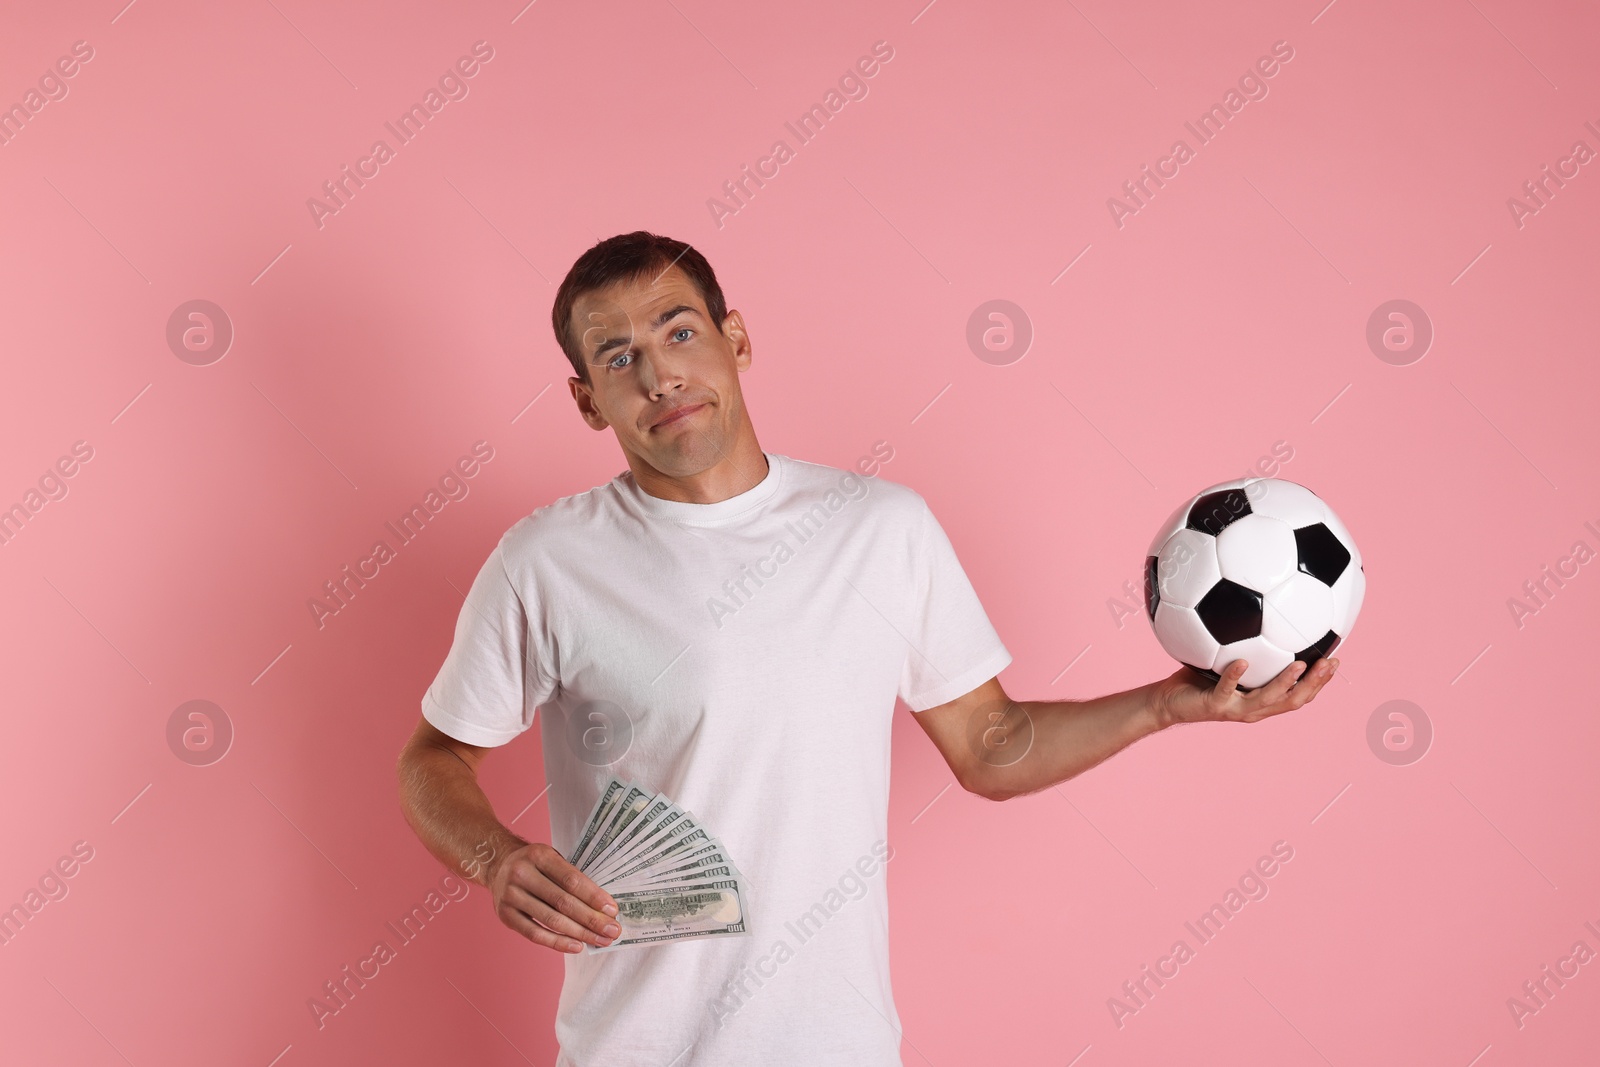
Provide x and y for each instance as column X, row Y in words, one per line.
column 658, row 372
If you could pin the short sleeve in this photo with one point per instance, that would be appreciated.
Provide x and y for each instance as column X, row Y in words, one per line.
column 954, row 648
column 491, row 681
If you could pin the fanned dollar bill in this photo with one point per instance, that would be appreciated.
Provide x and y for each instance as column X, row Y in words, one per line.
column 704, row 909
column 602, row 808
column 623, row 810
column 671, row 879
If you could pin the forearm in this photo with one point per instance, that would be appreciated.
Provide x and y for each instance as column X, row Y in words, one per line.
column 450, row 813
column 1067, row 738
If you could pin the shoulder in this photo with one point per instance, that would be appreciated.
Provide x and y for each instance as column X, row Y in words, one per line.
column 551, row 525
column 873, row 495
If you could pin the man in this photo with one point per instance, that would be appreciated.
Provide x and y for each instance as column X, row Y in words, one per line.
column 748, row 620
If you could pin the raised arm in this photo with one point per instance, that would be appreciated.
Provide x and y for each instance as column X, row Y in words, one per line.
column 1000, row 748
column 534, row 890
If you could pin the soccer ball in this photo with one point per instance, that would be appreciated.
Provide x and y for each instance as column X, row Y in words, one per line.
column 1258, row 569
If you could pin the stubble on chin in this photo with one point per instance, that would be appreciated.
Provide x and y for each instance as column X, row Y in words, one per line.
column 690, row 450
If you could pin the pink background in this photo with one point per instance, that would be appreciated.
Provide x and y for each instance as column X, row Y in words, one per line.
column 1227, row 315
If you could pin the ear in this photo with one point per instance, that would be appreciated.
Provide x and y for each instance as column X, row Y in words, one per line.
column 586, row 406
column 733, row 329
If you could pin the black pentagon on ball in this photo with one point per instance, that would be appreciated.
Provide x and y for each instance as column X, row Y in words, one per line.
column 1152, row 592
column 1213, row 512
column 1323, row 646
column 1231, row 612
column 1321, row 554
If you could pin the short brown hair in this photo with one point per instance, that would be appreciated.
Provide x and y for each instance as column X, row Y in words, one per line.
column 628, row 257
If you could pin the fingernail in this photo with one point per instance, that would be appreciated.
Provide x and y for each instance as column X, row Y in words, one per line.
column 573, row 946
column 611, row 929
column 609, row 909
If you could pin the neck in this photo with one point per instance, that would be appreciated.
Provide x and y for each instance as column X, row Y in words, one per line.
column 741, row 469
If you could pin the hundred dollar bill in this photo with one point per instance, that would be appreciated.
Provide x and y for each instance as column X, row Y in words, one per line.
column 711, row 909
column 609, row 795
column 711, row 879
column 626, row 810
column 612, row 797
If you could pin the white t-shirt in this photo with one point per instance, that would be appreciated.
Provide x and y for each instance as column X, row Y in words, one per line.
column 745, row 657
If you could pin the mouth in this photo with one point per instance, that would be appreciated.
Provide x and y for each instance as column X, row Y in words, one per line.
column 677, row 416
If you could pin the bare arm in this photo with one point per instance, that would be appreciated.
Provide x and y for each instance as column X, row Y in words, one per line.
column 1001, row 748
column 534, row 890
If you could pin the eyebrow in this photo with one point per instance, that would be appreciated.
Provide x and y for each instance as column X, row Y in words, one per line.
column 658, row 322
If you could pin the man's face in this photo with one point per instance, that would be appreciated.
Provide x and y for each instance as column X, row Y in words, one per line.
column 661, row 374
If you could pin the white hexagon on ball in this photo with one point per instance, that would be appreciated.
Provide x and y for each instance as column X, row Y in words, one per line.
column 1187, row 567
column 1298, row 612
column 1256, row 552
column 1288, row 502
column 1184, row 636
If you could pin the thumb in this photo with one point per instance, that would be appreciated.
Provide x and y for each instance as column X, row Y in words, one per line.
column 1229, row 683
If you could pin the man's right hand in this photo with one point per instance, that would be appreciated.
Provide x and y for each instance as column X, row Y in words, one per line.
column 544, row 898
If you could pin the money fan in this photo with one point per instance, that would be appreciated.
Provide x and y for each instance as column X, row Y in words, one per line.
column 672, row 880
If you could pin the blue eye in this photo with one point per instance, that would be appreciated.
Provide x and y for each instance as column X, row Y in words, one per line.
column 684, row 329
column 625, row 355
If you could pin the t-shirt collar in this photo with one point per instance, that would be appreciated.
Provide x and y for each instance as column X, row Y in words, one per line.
column 706, row 514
